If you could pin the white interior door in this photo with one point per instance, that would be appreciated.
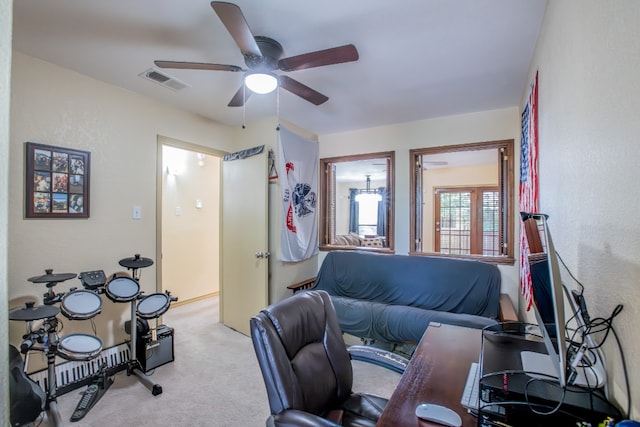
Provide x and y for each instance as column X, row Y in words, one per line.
column 244, row 249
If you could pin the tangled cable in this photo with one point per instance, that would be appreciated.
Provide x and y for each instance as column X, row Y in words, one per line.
column 596, row 328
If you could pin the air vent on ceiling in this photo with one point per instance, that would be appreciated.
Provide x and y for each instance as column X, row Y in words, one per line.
column 163, row 79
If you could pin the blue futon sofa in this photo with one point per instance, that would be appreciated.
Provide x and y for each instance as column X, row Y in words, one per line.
column 392, row 298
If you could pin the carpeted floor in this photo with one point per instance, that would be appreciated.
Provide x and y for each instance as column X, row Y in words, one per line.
column 214, row 381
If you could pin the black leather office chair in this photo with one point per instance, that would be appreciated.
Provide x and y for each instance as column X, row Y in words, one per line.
column 307, row 368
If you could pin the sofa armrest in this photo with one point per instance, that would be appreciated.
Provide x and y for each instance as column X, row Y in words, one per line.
column 377, row 356
column 507, row 310
column 305, row 284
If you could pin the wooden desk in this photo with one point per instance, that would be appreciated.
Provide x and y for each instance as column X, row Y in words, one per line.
column 436, row 373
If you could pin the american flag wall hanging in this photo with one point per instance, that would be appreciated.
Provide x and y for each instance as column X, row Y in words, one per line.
column 528, row 181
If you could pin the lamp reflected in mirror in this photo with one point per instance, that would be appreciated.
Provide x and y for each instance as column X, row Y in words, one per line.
column 367, row 195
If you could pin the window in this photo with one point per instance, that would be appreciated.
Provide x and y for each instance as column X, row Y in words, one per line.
column 356, row 199
column 368, row 206
column 466, row 221
column 461, row 198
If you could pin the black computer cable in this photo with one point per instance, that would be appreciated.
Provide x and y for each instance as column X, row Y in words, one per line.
column 578, row 296
column 536, row 407
column 570, row 273
column 624, row 370
column 602, row 325
column 531, row 405
column 554, row 409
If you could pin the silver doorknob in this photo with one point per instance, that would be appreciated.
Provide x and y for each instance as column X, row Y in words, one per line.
column 262, row 254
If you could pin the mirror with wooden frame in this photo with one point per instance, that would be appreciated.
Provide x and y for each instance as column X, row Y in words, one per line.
column 357, row 202
column 462, row 201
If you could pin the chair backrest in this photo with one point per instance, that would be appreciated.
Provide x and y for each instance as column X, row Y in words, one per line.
column 300, row 350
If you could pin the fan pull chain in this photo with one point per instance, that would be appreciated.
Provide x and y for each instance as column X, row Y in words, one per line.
column 278, row 107
column 244, row 105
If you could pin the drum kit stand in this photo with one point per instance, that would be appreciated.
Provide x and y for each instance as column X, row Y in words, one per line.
column 82, row 305
column 150, row 307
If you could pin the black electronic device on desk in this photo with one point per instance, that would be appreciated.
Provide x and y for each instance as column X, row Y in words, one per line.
column 534, row 375
column 153, row 352
column 509, row 395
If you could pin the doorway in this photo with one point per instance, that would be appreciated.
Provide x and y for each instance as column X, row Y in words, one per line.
column 188, row 223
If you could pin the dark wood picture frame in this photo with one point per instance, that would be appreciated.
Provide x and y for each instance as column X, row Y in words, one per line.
column 56, row 182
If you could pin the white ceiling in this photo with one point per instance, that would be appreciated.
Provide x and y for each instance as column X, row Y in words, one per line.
column 418, row 58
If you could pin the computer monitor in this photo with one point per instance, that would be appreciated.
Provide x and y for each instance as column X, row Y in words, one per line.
column 548, row 300
column 549, row 309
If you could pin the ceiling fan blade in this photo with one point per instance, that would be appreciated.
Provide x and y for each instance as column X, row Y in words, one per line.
column 241, row 96
column 196, row 66
column 335, row 55
column 302, row 91
column 232, row 18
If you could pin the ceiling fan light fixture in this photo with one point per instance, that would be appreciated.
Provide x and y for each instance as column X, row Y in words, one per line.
column 261, row 83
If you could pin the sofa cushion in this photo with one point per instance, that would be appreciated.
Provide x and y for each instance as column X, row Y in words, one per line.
column 346, row 240
column 397, row 323
column 371, row 242
column 356, row 316
column 432, row 283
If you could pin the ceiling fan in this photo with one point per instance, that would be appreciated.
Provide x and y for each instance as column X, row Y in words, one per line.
column 262, row 57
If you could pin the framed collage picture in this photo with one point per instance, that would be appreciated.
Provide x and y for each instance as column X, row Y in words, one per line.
column 57, row 182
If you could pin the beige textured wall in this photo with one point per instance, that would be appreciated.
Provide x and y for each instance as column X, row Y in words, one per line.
column 462, row 129
column 5, row 76
column 589, row 97
column 56, row 106
column 191, row 235
column 50, row 105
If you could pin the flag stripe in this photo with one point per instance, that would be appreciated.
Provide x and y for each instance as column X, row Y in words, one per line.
column 528, row 182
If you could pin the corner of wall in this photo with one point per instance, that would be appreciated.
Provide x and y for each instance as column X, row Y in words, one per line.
column 5, row 98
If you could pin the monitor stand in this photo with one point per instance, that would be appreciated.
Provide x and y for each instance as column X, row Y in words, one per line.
column 541, row 366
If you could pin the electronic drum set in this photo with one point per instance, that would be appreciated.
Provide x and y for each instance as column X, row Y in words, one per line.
column 85, row 304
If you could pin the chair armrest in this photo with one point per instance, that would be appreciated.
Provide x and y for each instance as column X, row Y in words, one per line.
column 295, row 417
column 305, row 284
column 384, row 358
column 507, row 310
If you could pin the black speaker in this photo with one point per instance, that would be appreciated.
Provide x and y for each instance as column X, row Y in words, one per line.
column 151, row 354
